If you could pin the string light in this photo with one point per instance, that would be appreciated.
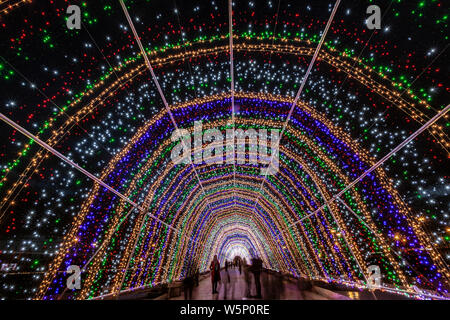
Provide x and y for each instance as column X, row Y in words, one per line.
column 101, row 111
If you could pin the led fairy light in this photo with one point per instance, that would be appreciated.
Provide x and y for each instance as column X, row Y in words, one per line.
column 321, row 231
column 340, row 223
column 222, row 212
column 10, row 5
column 230, row 32
column 442, row 138
column 226, row 228
column 148, row 64
column 211, row 224
column 225, row 234
column 322, row 157
column 400, row 103
column 237, row 213
column 85, row 172
column 395, row 149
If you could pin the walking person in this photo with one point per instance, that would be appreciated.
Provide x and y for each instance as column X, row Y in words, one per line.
column 239, row 266
column 188, row 283
column 215, row 273
column 256, row 269
column 225, row 280
column 247, row 278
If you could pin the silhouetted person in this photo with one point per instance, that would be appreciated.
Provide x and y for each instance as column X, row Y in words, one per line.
column 267, row 284
column 303, row 285
column 277, row 286
column 188, row 283
column 196, row 277
column 247, row 278
column 226, row 281
column 256, row 269
column 240, row 268
column 215, row 273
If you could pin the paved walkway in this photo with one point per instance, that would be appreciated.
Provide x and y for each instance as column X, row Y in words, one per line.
column 273, row 287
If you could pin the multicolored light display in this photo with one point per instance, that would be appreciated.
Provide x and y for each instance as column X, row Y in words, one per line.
column 96, row 104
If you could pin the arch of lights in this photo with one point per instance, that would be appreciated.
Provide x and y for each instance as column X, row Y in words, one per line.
column 123, row 248
column 236, row 248
column 216, row 219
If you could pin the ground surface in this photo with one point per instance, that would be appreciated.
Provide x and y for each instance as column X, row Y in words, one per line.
column 272, row 287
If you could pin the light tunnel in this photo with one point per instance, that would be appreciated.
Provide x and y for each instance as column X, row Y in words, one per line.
column 166, row 217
